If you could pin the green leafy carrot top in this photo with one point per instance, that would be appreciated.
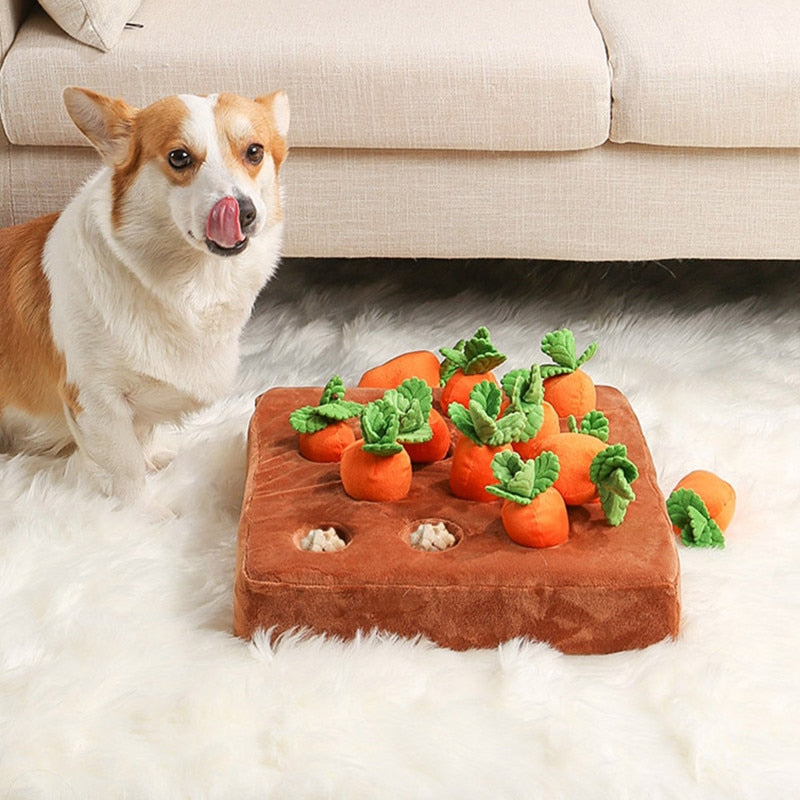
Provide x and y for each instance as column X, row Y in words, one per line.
column 482, row 422
column 413, row 400
column 594, row 423
column 521, row 481
column 332, row 408
column 613, row 473
column 525, row 390
column 380, row 427
column 689, row 513
column 560, row 346
column 472, row 356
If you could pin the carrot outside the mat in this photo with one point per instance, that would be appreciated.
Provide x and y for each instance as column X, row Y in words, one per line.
column 524, row 389
column 567, row 387
column 422, row 364
column 323, row 430
column 718, row 495
column 701, row 507
column 534, row 513
column 466, row 365
column 483, row 432
column 422, row 430
column 377, row 468
column 592, row 470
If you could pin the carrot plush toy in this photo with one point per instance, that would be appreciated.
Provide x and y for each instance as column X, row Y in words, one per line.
column 524, row 389
column 591, row 469
column 567, row 387
column 377, row 467
column 423, row 432
column 323, row 429
column 534, row 513
column 484, row 433
column 466, row 365
column 700, row 508
column 422, row 364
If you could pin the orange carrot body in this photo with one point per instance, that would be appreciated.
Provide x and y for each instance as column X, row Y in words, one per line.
column 572, row 393
column 367, row 476
column 422, row 364
column 436, row 448
column 471, row 470
column 550, row 427
column 543, row 523
column 459, row 385
column 575, row 452
column 328, row 444
column 717, row 494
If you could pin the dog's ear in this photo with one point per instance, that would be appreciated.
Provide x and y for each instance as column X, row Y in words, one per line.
column 107, row 123
column 278, row 104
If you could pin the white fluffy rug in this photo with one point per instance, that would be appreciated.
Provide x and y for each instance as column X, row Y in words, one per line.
column 119, row 675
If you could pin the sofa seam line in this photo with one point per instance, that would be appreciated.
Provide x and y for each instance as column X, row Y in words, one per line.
column 609, row 67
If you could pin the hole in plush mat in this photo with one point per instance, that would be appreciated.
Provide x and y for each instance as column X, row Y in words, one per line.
column 322, row 539
column 432, row 535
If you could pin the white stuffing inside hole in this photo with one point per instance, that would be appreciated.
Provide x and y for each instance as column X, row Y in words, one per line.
column 322, row 540
column 432, row 537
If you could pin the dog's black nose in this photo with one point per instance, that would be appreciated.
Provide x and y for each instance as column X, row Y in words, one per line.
column 247, row 214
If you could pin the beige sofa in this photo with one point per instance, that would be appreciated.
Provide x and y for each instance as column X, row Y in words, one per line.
column 577, row 129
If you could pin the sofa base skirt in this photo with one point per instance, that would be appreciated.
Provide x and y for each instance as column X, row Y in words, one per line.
column 611, row 203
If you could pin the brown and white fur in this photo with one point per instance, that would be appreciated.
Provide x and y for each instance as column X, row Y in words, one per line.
column 125, row 310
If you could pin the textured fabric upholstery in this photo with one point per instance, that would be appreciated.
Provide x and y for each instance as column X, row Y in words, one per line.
column 11, row 15
column 367, row 73
column 704, row 74
column 629, row 202
column 98, row 23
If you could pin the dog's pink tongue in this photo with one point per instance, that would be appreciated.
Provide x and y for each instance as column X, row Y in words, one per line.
column 223, row 226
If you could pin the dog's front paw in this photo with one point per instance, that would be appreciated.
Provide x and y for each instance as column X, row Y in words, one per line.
column 128, row 488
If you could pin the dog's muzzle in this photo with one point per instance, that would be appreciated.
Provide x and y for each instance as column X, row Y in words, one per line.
column 228, row 225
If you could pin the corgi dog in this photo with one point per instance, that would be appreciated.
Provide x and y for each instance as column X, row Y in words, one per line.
column 125, row 310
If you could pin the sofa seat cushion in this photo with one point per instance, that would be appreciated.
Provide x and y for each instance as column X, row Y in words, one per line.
column 703, row 74
column 490, row 75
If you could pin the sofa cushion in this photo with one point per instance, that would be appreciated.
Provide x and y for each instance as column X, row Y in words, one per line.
column 703, row 74
column 98, row 23
column 530, row 75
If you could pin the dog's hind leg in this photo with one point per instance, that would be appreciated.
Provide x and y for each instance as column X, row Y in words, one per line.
column 40, row 434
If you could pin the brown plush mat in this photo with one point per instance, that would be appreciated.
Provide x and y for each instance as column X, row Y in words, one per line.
column 604, row 590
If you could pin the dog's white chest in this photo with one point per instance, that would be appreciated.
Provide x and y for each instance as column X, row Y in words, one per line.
column 198, row 371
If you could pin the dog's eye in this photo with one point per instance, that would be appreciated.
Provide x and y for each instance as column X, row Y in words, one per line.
column 179, row 159
column 255, row 154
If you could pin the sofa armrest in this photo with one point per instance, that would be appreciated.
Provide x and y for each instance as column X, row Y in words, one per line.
column 6, row 206
column 12, row 14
